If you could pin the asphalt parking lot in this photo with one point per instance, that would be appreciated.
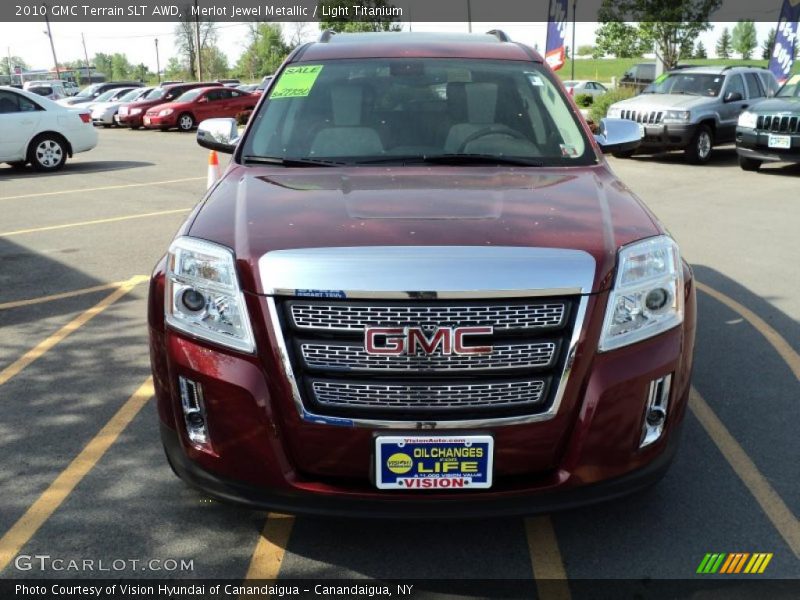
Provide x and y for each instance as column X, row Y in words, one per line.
column 81, row 465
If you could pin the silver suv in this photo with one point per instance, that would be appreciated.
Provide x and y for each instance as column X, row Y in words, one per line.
column 694, row 109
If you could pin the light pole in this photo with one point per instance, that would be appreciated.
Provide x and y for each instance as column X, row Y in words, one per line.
column 52, row 45
column 197, row 43
column 572, row 57
column 158, row 63
column 86, row 56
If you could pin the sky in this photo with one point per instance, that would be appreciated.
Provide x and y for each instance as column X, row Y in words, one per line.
column 29, row 40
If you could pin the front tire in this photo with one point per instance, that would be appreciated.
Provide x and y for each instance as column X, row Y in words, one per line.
column 17, row 164
column 185, row 122
column 698, row 152
column 749, row 164
column 47, row 152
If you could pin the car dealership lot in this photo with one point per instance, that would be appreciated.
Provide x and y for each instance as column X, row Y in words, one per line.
column 74, row 369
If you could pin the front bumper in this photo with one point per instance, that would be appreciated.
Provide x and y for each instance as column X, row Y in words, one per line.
column 754, row 144
column 266, row 456
column 156, row 122
column 667, row 136
column 105, row 118
column 129, row 120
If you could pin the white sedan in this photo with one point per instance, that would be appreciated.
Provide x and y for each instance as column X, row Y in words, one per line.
column 103, row 112
column 38, row 131
column 583, row 86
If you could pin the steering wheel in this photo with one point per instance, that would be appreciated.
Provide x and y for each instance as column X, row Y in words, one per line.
column 492, row 130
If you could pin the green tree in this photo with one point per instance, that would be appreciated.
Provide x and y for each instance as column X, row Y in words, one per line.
column 744, row 39
column 665, row 24
column 766, row 47
column 686, row 51
column 585, row 50
column 215, row 63
column 355, row 23
column 121, row 68
column 700, row 51
column 8, row 64
column 265, row 52
column 186, row 40
column 102, row 64
column 617, row 38
column 724, row 44
column 176, row 70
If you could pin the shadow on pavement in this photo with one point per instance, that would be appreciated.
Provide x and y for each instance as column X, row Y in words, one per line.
column 96, row 166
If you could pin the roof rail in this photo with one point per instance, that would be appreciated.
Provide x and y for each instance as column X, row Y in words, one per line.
column 499, row 34
column 726, row 67
column 326, row 36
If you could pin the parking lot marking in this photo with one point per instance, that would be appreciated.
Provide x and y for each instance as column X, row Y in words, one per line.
column 95, row 222
column 548, row 567
column 44, row 346
column 771, row 503
column 60, row 296
column 271, row 547
column 777, row 341
column 26, row 527
column 102, row 189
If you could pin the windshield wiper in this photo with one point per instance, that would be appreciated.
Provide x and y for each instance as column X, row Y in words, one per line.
column 456, row 159
column 291, row 162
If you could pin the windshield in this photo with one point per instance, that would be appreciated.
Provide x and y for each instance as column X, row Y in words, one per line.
column 131, row 96
column 189, row 96
column 87, row 92
column 106, row 95
column 378, row 110
column 693, row 84
column 791, row 89
column 41, row 90
column 156, row 94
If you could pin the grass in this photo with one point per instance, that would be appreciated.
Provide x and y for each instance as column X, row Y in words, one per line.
column 604, row 69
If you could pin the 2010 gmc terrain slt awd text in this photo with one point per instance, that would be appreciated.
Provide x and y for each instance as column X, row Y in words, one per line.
column 418, row 290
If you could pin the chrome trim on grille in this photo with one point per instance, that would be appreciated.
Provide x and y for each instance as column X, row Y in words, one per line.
column 426, row 272
column 353, row 358
column 355, row 317
column 428, row 396
column 646, row 117
column 286, row 366
column 778, row 123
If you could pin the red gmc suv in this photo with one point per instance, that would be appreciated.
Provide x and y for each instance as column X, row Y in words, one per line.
column 418, row 290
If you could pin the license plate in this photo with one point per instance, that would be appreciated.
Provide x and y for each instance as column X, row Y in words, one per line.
column 779, row 141
column 116, row 118
column 146, row 120
column 641, row 131
column 434, row 462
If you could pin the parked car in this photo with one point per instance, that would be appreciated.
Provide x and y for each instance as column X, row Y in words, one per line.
column 397, row 294
column 104, row 113
column 131, row 115
column 71, row 88
column 108, row 96
column 90, row 93
column 248, row 87
column 769, row 130
column 263, row 85
column 694, row 109
column 50, row 90
column 197, row 105
column 41, row 132
column 583, row 86
column 229, row 82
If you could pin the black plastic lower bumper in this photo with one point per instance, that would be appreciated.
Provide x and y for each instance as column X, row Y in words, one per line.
column 667, row 137
column 411, row 507
column 755, row 145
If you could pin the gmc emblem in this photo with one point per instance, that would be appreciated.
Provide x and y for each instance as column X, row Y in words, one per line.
column 397, row 341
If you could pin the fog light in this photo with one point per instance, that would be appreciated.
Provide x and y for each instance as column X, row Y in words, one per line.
column 194, row 413
column 656, row 299
column 655, row 414
column 193, row 300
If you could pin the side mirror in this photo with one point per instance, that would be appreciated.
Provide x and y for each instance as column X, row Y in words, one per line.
column 732, row 97
column 618, row 135
column 202, row 100
column 221, row 135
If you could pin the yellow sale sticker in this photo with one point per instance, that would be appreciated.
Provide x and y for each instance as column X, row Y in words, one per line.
column 296, row 82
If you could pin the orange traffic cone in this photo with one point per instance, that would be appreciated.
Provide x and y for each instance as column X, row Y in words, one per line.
column 213, row 168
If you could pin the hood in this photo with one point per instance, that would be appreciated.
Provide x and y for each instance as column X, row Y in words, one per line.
column 777, row 105
column 173, row 105
column 665, row 102
column 255, row 210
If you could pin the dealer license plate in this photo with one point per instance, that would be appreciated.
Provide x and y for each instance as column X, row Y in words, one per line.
column 779, row 141
column 434, row 462
column 146, row 120
column 642, row 131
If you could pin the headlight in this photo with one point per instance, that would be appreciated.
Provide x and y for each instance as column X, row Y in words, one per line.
column 647, row 298
column 203, row 297
column 680, row 116
column 748, row 119
column 614, row 113
column 135, row 111
column 164, row 112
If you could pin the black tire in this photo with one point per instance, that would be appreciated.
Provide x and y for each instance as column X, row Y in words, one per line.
column 106, row 125
column 17, row 164
column 624, row 154
column 47, row 152
column 133, row 127
column 749, row 164
column 163, row 128
column 185, row 122
column 698, row 152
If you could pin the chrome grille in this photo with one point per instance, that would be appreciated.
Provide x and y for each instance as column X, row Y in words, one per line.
column 428, row 396
column 647, row 117
column 778, row 123
column 353, row 357
column 354, row 317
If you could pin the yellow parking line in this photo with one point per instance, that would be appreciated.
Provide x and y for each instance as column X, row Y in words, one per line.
column 95, row 222
column 60, row 296
column 777, row 341
column 41, row 510
column 771, row 503
column 271, row 547
column 44, row 346
column 548, row 568
column 102, row 189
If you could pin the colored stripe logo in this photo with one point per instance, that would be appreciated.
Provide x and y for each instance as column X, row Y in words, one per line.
column 734, row 562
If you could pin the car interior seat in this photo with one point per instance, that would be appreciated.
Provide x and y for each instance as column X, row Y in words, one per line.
column 348, row 136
